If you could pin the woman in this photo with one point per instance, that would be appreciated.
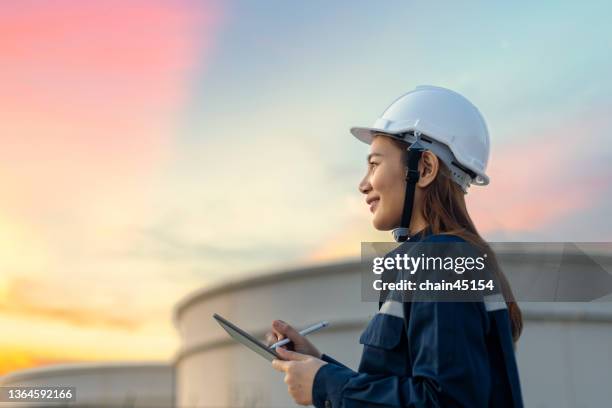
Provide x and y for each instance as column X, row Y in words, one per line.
column 426, row 150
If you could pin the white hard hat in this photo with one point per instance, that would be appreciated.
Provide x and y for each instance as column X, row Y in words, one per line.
column 448, row 124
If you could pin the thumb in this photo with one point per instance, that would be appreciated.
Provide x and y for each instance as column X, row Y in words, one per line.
column 290, row 355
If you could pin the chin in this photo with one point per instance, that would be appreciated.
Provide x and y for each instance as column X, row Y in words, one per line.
column 381, row 224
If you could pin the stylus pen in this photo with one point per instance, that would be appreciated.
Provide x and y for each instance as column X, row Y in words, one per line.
column 304, row 332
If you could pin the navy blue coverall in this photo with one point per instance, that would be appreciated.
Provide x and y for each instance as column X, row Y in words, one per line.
column 428, row 354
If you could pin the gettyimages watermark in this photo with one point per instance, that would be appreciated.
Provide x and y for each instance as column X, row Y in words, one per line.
column 461, row 271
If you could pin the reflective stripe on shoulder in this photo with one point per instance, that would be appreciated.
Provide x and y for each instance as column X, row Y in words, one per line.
column 392, row 308
column 494, row 302
column 395, row 308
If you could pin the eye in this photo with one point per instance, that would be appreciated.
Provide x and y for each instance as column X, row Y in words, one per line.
column 372, row 164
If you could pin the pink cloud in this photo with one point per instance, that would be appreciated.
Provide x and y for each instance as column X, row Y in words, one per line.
column 540, row 180
column 91, row 90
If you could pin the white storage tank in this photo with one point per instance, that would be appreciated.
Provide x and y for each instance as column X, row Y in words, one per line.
column 116, row 384
column 214, row 371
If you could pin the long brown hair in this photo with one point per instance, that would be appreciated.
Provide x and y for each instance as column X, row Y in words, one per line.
column 445, row 212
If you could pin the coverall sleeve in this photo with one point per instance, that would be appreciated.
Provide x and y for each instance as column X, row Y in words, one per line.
column 449, row 364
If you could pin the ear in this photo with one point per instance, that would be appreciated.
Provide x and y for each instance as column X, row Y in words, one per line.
column 429, row 165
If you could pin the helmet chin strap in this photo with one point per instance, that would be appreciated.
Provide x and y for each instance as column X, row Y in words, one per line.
column 416, row 149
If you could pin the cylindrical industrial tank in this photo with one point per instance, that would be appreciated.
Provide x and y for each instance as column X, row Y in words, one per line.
column 564, row 355
column 116, row 384
column 214, row 371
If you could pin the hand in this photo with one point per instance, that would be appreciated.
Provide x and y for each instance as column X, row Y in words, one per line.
column 300, row 371
column 299, row 343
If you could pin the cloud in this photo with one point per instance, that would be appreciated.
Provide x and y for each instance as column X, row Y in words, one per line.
column 91, row 95
column 553, row 171
column 16, row 358
column 34, row 299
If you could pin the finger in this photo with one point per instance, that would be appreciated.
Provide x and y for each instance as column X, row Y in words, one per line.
column 279, row 335
column 291, row 355
column 271, row 338
column 279, row 365
column 285, row 329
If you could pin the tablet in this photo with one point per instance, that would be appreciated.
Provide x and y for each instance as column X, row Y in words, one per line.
column 246, row 339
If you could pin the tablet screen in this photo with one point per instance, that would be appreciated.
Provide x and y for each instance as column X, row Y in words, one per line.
column 245, row 338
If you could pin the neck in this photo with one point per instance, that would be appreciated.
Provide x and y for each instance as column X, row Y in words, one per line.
column 417, row 224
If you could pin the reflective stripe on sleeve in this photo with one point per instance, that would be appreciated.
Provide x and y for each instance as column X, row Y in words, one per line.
column 494, row 302
column 393, row 308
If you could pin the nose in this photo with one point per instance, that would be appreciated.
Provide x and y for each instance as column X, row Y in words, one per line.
column 364, row 185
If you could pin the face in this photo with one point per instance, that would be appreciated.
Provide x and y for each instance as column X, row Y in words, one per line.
column 384, row 185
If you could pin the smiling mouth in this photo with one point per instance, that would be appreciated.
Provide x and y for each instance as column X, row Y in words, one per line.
column 373, row 205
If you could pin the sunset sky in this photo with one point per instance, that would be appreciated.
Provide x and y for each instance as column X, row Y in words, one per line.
column 151, row 148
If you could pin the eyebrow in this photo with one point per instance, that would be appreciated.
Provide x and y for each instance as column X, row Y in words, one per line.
column 373, row 155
